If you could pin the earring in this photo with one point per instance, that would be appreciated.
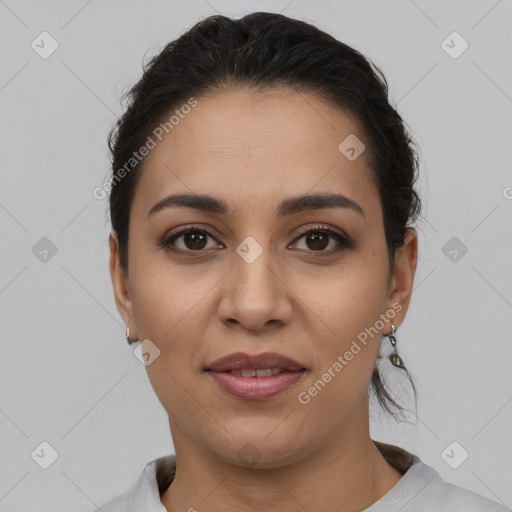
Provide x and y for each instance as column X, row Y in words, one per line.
column 394, row 357
column 128, row 336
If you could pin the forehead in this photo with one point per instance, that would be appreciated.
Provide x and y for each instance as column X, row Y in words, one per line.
column 257, row 147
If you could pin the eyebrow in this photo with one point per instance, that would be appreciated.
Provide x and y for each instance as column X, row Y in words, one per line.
column 210, row 204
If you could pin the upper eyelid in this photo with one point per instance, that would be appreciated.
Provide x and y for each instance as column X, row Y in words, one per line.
column 323, row 227
column 183, row 231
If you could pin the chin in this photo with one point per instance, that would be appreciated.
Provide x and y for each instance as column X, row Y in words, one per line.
column 257, row 450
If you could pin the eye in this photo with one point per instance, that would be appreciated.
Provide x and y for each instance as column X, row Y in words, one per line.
column 317, row 239
column 194, row 239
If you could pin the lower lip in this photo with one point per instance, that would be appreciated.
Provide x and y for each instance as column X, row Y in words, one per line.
column 255, row 388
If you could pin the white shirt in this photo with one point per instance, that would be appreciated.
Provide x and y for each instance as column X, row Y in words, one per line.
column 420, row 489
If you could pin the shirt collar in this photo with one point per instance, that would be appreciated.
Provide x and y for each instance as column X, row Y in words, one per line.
column 146, row 492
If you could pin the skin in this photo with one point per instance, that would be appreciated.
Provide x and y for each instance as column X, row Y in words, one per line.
column 253, row 151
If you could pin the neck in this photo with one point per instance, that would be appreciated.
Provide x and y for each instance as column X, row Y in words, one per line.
column 347, row 474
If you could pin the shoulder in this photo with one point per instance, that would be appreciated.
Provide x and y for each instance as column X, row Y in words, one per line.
column 145, row 493
column 421, row 488
column 453, row 497
column 118, row 504
column 434, row 494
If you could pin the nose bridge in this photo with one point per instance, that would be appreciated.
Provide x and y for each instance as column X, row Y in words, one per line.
column 256, row 294
column 254, row 272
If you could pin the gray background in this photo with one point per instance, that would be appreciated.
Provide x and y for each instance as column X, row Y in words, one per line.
column 69, row 378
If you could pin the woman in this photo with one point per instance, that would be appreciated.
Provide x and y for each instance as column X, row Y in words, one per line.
column 261, row 201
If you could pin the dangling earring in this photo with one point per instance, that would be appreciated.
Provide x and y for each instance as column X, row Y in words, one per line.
column 394, row 357
column 128, row 336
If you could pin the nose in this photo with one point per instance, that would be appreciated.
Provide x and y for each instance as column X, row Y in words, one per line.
column 255, row 295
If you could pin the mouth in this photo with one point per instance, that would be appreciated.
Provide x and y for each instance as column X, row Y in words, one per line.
column 255, row 377
column 248, row 372
column 262, row 365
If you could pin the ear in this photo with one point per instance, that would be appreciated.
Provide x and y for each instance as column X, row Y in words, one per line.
column 403, row 275
column 120, row 284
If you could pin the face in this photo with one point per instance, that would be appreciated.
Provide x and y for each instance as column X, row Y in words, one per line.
column 258, row 277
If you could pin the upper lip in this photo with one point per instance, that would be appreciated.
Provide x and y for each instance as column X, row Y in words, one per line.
column 241, row 361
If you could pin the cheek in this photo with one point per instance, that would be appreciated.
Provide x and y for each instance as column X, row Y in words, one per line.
column 347, row 349
column 164, row 296
column 346, row 312
column 347, row 300
column 167, row 312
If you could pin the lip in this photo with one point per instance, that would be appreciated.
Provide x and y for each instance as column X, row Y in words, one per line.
column 241, row 360
column 255, row 388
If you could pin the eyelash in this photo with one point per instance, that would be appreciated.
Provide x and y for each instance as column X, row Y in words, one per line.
column 345, row 243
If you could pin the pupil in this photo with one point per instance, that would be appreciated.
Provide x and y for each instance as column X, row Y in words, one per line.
column 194, row 238
column 316, row 237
